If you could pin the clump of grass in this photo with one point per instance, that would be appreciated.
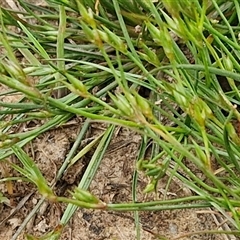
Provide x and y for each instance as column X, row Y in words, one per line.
column 131, row 45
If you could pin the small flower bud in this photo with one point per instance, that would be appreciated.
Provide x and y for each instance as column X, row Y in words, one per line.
column 227, row 62
column 84, row 196
column 114, row 40
column 122, row 104
column 144, row 106
column 82, row 90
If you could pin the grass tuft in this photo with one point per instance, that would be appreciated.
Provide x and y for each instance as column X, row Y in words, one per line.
column 183, row 54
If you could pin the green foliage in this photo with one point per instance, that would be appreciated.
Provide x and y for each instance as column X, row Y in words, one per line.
column 185, row 54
